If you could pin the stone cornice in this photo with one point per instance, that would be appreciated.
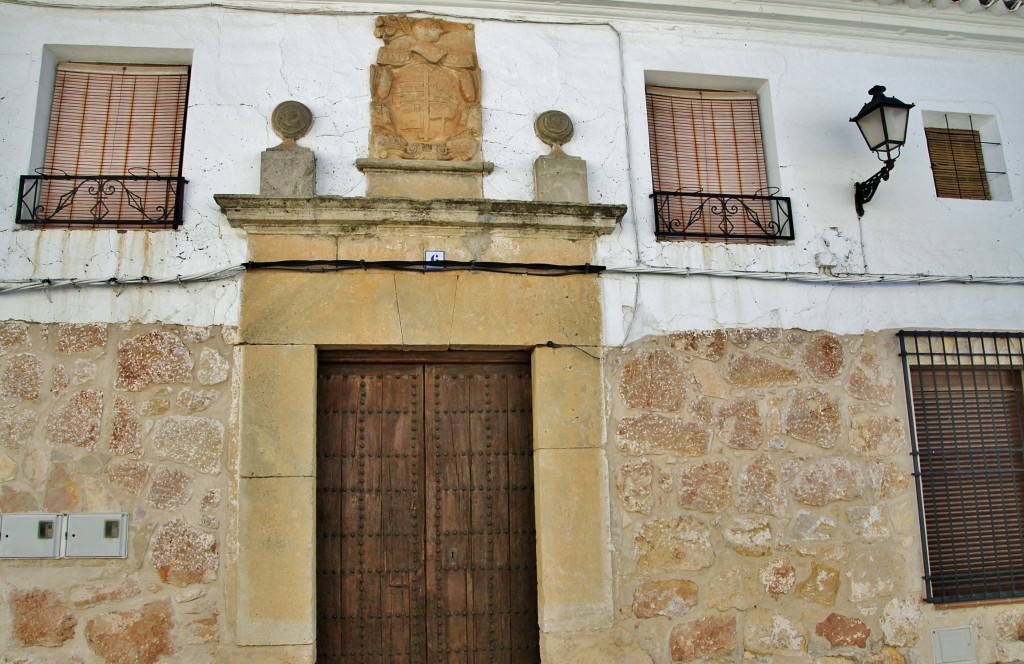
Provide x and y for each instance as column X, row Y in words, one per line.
column 338, row 215
column 867, row 18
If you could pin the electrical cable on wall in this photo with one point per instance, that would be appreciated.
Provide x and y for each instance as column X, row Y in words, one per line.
column 525, row 269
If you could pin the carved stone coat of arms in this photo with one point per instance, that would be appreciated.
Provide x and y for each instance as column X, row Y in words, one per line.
column 425, row 91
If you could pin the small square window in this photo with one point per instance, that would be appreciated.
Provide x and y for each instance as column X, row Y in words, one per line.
column 113, row 148
column 966, row 156
column 708, row 167
column 958, row 164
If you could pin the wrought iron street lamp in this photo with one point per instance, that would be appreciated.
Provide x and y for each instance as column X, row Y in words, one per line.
column 883, row 123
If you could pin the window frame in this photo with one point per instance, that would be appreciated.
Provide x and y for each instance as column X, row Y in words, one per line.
column 988, row 150
column 165, row 213
column 967, row 434
column 685, row 117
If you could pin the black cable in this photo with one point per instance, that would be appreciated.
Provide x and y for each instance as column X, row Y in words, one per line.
column 535, row 269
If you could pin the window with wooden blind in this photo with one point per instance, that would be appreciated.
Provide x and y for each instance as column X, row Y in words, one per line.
column 113, row 148
column 967, row 422
column 708, row 167
column 958, row 164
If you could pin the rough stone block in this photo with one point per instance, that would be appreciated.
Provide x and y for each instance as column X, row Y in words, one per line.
column 703, row 638
column 560, row 177
column 749, row 536
column 682, row 543
column 649, row 434
column 633, row 481
column 765, row 633
column 759, row 488
column 288, row 172
column 653, row 381
column 276, row 597
column 778, row 577
column 573, row 562
column 184, row 555
column 821, row 586
column 40, row 617
column 151, row 359
column 671, row 598
column 22, row 377
column 842, row 630
column 195, row 441
column 140, row 637
column 278, row 417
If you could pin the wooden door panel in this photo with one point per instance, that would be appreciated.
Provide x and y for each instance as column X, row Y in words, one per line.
column 425, row 508
column 370, row 500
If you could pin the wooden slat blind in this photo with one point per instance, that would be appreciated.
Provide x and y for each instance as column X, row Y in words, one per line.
column 708, row 142
column 958, row 165
column 115, row 120
column 968, row 422
column 705, row 141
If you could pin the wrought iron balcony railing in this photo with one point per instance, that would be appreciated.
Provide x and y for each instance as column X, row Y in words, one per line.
column 112, row 201
column 704, row 216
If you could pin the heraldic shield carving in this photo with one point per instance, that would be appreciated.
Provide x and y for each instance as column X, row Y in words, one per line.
column 425, row 91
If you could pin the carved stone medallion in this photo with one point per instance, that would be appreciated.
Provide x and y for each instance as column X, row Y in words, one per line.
column 425, row 91
column 291, row 120
column 554, row 128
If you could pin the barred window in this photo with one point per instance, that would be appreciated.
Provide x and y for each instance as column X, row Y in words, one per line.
column 965, row 395
column 113, row 147
column 708, row 167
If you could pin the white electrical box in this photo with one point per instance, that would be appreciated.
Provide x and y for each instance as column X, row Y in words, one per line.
column 31, row 535
column 954, row 645
column 96, row 536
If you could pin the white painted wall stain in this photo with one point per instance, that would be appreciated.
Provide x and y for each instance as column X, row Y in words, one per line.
column 246, row 62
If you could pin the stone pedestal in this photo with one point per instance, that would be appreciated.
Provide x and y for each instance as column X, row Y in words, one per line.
column 288, row 171
column 560, row 178
column 422, row 179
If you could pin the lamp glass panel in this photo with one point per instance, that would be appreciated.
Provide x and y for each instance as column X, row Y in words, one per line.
column 896, row 125
column 873, row 129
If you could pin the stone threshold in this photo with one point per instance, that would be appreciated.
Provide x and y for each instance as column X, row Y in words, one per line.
column 339, row 215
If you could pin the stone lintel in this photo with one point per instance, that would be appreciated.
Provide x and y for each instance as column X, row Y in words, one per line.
column 338, row 215
column 380, row 309
column 422, row 179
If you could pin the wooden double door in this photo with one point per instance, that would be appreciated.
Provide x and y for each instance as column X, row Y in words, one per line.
column 425, row 543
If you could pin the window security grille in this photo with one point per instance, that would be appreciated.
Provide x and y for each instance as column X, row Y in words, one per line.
column 965, row 396
column 113, row 149
column 708, row 166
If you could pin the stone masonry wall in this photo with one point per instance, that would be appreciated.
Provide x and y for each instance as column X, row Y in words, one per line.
column 764, row 508
column 118, row 418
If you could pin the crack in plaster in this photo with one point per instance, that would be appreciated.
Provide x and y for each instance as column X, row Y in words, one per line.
column 398, row 308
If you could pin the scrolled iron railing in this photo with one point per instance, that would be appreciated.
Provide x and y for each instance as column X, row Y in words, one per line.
column 115, row 201
column 712, row 216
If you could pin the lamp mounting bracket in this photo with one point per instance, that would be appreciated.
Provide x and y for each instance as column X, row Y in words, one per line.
column 865, row 191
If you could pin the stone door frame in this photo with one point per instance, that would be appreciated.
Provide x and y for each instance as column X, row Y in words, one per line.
column 287, row 317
